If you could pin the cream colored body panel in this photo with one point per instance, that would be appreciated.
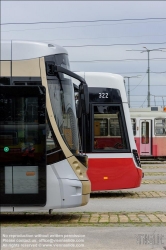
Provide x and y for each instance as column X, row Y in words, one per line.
column 5, row 68
column 30, row 68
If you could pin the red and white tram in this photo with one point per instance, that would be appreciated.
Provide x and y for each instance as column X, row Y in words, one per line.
column 149, row 128
column 113, row 161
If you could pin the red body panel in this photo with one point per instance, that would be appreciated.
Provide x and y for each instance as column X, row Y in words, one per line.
column 158, row 146
column 113, row 173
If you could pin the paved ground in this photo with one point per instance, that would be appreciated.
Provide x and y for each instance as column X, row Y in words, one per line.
column 157, row 187
column 84, row 218
column 90, row 238
column 128, row 194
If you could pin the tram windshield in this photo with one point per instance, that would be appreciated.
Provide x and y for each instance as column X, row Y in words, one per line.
column 62, row 99
column 109, row 128
column 61, row 93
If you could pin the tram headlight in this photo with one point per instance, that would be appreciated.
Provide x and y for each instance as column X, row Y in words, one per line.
column 83, row 159
column 78, row 169
column 136, row 157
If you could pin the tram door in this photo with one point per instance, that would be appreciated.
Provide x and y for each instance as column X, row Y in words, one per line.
column 22, row 145
column 145, row 137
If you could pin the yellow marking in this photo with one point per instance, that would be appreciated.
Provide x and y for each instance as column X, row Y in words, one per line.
column 30, row 173
column 105, row 178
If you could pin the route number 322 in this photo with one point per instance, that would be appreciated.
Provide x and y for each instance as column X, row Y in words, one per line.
column 103, row 95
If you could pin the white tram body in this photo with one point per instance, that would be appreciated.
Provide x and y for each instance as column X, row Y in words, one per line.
column 113, row 162
column 149, row 129
column 61, row 181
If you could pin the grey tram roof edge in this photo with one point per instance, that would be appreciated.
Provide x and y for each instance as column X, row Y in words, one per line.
column 24, row 50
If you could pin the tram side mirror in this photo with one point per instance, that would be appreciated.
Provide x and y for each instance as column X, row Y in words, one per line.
column 83, row 98
column 53, row 69
column 50, row 68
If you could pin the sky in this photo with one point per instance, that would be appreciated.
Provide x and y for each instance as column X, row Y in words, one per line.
column 119, row 38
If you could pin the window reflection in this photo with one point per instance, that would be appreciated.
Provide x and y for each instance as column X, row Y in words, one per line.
column 108, row 128
column 22, row 127
column 145, row 133
column 160, row 127
column 64, row 111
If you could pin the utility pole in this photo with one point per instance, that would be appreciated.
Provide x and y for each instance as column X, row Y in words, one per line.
column 148, row 71
column 128, row 89
column 148, row 51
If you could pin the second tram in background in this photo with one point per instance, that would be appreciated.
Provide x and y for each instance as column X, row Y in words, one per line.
column 149, row 129
column 107, row 136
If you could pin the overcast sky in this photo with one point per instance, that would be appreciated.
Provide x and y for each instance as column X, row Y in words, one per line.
column 122, row 32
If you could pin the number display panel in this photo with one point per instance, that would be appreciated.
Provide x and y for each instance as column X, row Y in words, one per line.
column 103, row 95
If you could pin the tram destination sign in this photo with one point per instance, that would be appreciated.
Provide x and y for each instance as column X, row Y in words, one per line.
column 105, row 95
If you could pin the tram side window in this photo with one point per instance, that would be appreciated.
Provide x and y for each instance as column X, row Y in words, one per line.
column 108, row 127
column 18, row 121
column 145, row 133
column 160, row 127
column 5, row 80
column 114, row 127
column 133, row 123
column 101, row 127
column 22, row 126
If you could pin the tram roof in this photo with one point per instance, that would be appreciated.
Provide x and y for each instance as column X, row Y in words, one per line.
column 24, row 50
column 156, row 112
column 105, row 80
column 148, row 109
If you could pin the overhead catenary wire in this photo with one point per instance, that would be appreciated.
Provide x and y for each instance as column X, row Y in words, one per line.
column 109, row 45
column 122, row 73
column 86, row 21
column 116, row 60
column 143, row 102
column 82, row 26
column 145, row 85
column 90, row 38
column 158, row 95
column 139, row 82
